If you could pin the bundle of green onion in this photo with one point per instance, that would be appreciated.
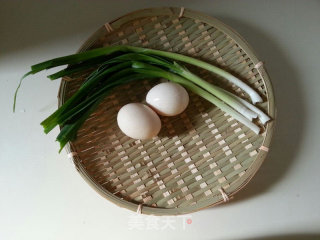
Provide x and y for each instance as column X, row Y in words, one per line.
column 117, row 65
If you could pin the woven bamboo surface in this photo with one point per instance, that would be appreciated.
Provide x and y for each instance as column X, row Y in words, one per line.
column 201, row 157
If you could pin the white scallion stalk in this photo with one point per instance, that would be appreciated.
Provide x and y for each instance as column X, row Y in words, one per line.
column 234, row 103
column 224, row 107
column 264, row 118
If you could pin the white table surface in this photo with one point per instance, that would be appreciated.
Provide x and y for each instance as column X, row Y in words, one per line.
column 43, row 197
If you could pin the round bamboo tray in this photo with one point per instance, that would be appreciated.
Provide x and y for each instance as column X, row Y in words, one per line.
column 201, row 157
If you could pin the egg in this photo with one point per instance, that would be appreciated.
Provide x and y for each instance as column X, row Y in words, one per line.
column 138, row 121
column 168, row 99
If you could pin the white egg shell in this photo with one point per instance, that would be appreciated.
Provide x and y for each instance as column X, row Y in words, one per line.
column 168, row 99
column 138, row 121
